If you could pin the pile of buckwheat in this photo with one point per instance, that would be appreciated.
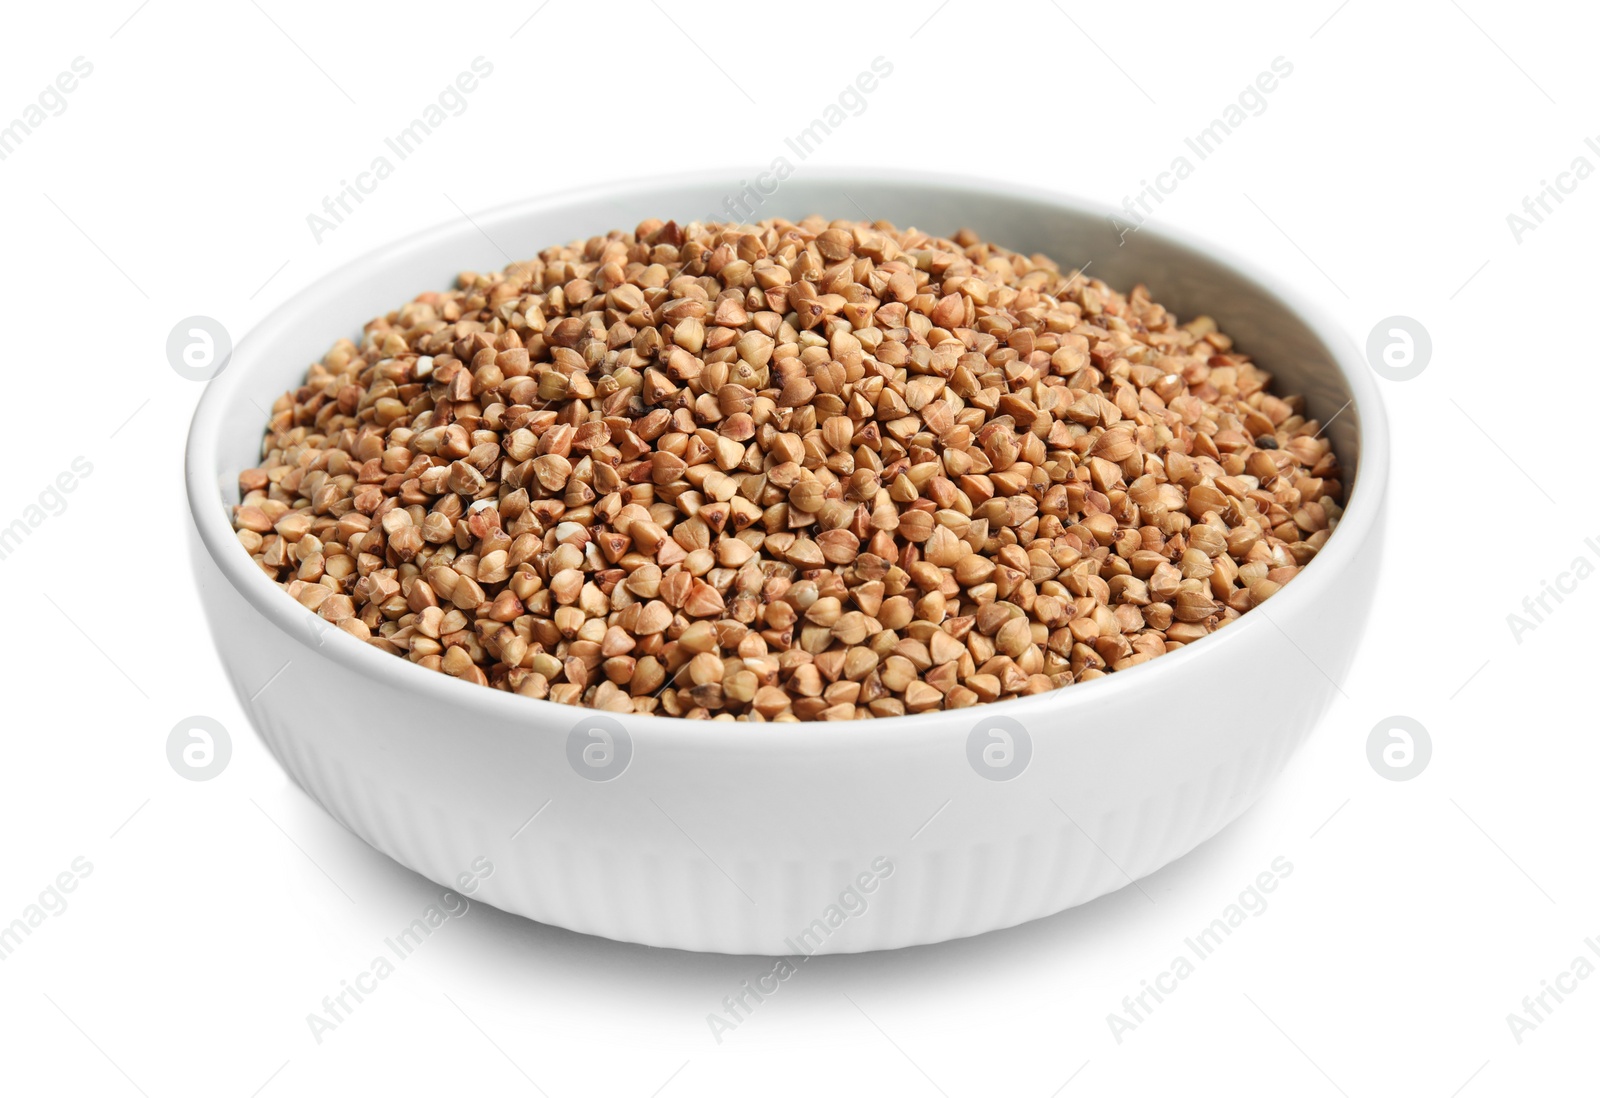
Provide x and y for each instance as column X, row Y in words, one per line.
column 815, row 470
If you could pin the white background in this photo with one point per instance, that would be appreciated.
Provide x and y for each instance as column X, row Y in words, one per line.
column 218, row 914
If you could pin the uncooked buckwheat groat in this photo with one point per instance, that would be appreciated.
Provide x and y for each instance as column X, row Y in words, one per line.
column 785, row 472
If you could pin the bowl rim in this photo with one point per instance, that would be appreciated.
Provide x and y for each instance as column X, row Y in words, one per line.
column 1363, row 509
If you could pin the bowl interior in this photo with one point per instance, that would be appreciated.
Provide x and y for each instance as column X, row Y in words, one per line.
column 1186, row 279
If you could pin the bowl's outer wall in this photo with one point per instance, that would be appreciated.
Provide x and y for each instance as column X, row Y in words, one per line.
column 739, row 844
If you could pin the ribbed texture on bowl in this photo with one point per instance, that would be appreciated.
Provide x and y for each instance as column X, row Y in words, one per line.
column 937, row 892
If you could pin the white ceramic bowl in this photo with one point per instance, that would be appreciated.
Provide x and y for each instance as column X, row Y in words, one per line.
column 811, row 837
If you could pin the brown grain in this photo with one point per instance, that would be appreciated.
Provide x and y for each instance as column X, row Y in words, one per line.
column 785, row 472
